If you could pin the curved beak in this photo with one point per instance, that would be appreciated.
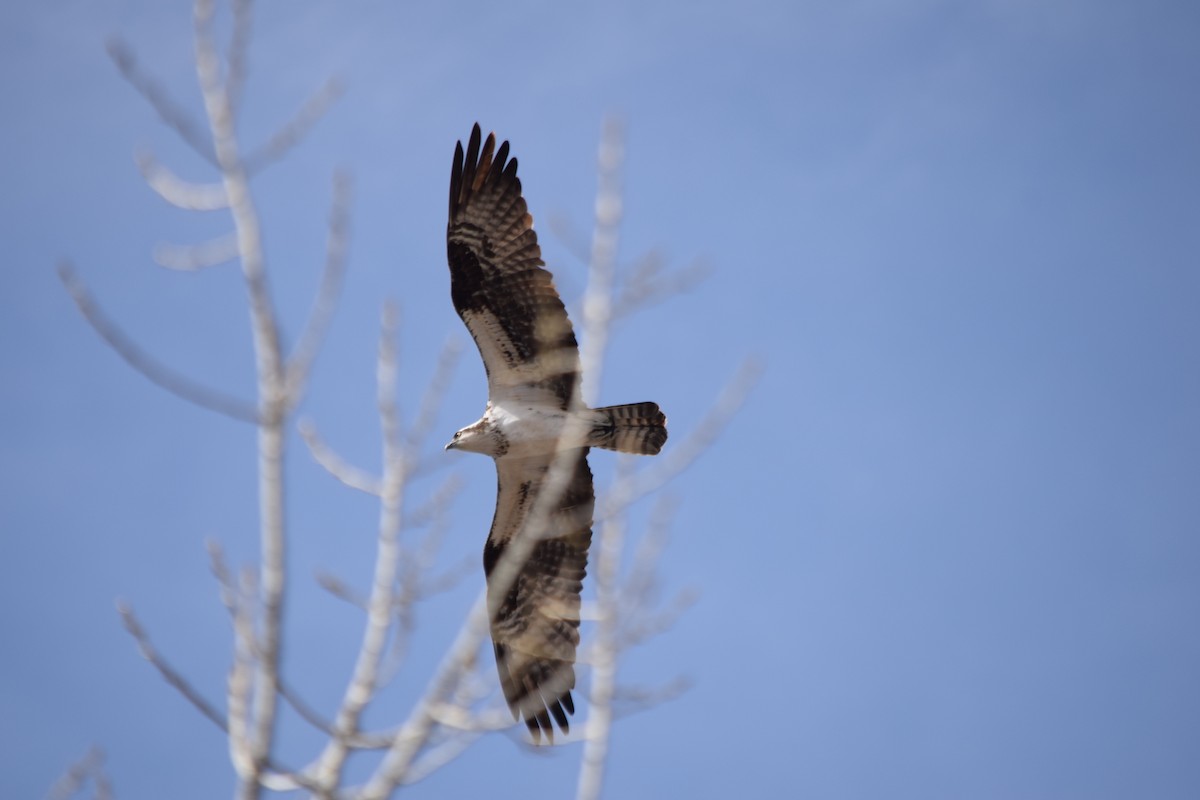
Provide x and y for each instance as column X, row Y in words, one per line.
column 450, row 446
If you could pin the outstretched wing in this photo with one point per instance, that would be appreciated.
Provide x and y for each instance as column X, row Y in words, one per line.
column 499, row 288
column 535, row 612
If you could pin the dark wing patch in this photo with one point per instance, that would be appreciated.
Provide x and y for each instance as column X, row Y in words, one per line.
column 497, row 281
column 535, row 618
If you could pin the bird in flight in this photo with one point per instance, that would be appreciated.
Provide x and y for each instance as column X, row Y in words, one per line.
column 509, row 304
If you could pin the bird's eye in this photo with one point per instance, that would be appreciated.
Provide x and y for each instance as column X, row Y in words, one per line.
column 457, row 434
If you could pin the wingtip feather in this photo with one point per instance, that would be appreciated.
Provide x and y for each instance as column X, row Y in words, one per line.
column 456, row 169
column 484, row 167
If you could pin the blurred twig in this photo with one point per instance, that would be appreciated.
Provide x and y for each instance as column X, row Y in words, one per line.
column 90, row 766
column 168, row 672
column 160, row 101
column 153, row 370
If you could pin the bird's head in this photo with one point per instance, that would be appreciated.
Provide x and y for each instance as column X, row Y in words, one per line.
column 475, row 438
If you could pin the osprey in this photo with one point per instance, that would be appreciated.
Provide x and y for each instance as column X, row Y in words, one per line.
column 510, row 306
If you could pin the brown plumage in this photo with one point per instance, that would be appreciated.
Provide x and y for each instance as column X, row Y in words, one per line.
column 497, row 277
column 509, row 304
column 639, row 428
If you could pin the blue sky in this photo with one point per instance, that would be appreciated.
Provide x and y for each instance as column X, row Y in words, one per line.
column 950, row 548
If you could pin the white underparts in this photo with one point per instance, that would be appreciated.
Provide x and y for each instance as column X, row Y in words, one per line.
column 538, row 430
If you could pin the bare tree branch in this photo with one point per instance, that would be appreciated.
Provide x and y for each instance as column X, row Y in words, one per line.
column 338, row 588
column 328, row 768
column 439, row 756
column 597, row 316
column 169, row 673
column 234, row 599
column 437, row 505
column 251, row 749
column 239, row 45
column 435, row 393
column 358, row 741
column 641, row 580
column 91, row 765
column 630, row 700
column 645, row 625
column 414, row 586
column 240, row 685
column 421, row 723
column 448, row 579
column 287, row 137
column 597, row 301
column 157, row 97
column 153, row 370
column 175, row 190
column 280, row 779
column 195, row 257
column 649, row 283
column 331, row 462
column 603, row 660
column 304, row 709
column 220, row 571
column 575, row 241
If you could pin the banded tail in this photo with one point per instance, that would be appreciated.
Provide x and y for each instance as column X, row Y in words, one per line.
column 638, row 428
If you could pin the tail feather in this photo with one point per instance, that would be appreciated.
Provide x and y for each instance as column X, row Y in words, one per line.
column 639, row 428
